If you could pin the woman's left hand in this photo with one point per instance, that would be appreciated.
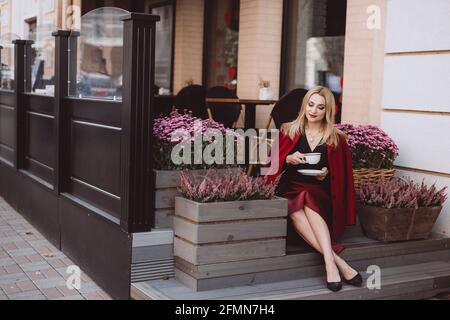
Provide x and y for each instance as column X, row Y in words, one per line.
column 323, row 175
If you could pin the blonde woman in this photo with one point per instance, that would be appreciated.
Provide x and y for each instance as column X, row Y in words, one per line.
column 320, row 206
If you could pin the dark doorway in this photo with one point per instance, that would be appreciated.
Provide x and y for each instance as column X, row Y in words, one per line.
column 129, row 5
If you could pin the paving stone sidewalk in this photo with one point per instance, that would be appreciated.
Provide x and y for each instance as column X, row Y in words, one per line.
column 33, row 269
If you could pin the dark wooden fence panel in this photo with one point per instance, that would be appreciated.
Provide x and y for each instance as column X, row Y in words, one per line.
column 94, row 163
column 94, row 153
column 39, row 141
column 39, row 103
column 7, row 127
column 96, row 111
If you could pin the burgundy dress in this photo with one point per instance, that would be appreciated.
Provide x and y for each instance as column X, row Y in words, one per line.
column 305, row 191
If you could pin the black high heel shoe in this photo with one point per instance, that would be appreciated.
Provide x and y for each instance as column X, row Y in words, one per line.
column 334, row 286
column 356, row 281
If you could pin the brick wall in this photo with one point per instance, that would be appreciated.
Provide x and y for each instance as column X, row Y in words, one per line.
column 188, row 62
column 259, row 49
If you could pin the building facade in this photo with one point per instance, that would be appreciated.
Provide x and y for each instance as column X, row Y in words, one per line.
column 388, row 60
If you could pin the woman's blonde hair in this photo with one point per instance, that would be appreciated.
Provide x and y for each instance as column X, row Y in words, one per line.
column 332, row 135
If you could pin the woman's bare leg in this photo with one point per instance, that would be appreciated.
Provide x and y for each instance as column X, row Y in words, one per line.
column 303, row 228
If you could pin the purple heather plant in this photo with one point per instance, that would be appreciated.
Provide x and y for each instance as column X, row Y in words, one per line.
column 230, row 186
column 370, row 146
column 401, row 193
column 165, row 127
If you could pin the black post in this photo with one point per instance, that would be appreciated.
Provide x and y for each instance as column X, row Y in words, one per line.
column 22, row 76
column 137, row 108
column 65, row 49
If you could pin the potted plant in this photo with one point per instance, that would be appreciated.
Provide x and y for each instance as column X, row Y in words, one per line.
column 231, row 217
column 398, row 209
column 373, row 153
column 166, row 174
column 264, row 90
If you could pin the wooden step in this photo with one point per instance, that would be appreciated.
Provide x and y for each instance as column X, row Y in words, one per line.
column 309, row 264
column 418, row 281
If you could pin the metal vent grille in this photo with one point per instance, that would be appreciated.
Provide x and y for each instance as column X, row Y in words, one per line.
column 152, row 270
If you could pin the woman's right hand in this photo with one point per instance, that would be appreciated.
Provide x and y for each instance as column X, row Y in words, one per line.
column 296, row 159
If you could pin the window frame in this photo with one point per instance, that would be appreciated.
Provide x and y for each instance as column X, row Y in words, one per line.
column 206, row 27
column 284, row 48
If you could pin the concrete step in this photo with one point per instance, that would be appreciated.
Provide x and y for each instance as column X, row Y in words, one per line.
column 417, row 281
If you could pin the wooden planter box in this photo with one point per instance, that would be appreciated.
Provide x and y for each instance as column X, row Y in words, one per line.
column 229, row 231
column 210, row 233
column 390, row 225
column 166, row 189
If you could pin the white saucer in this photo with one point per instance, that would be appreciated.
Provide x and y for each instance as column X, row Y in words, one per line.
column 311, row 173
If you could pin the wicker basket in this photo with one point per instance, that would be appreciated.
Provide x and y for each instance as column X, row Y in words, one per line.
column 362, row 176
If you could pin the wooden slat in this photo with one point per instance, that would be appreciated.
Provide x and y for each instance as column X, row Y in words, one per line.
column 164, row 218
column 171, row 178
column 98, row 111
column 165, row 198
column 228, row 211
column 7, row 97
column 39, row 103
column 234, row 251
column 229, row 231
column 166, row 179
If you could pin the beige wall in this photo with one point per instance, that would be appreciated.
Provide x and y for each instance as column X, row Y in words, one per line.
column 188, row 62
column 260, row 34
column 416, row 99
column 363, row 67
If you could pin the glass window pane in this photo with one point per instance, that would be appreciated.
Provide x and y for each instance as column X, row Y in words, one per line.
column 163, row 54
column 42, row 59
column 7, row 61
column 222, row 43
column 315, row 44
column 100, row 54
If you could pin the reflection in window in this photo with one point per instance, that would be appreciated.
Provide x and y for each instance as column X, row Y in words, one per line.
column 100, row 54
column 7, row 61
column 164, row 47
column 42, row 61
column 315, row 37
column 222, row 36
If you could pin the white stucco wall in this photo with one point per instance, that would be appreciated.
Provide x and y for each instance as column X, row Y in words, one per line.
column 416, row 91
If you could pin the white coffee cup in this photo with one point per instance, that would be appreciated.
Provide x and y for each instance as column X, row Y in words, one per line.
column 313, row 158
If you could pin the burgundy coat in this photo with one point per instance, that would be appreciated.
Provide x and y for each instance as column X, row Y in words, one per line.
column 341, row 182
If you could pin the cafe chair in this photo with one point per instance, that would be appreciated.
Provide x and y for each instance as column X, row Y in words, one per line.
column 287, row 108
column 225, row 113
column 192, row 98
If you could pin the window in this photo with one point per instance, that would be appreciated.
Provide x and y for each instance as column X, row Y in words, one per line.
column 314, row 41
column 164, row 43
column 221, row 43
